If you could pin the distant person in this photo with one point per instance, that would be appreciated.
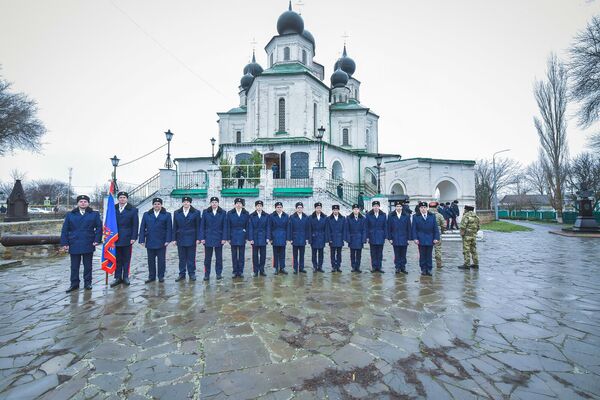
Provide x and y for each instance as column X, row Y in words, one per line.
column 426, row 234
column 2, row 209
column 456, row 211
column 361, row 201
column 340, row 190
column 275, row 169
column 240, row 177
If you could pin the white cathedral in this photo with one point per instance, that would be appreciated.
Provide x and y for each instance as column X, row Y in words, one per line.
column 312, row 134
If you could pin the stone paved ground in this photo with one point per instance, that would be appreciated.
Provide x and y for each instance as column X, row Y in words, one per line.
column 526, row 326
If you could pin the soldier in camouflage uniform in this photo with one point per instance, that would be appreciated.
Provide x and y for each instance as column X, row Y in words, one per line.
column 441, row 223
column 469, row 226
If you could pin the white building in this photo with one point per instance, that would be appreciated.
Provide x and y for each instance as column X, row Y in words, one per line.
column 281, row 112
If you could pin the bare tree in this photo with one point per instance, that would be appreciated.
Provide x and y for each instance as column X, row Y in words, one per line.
column 38, row 190
column 506, row 169
column 551, row 98
column 19, row 126
column 534, row 173
column 584, row 71
column 584, row 173
column 17, row 174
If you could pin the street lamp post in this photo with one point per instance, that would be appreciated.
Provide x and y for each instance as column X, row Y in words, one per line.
column 115, row 163
column 378, row 159
column 212, row 142
column 169, row 136
column 319, row 134
column 496, row 182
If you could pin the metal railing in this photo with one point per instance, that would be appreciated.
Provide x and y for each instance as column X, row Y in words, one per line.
column 192, row 180
column 342, row 189
column 293, row 179
column 144, row 190
column 241, row 176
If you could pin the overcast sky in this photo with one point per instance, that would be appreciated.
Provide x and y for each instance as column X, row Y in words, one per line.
column 449, row 79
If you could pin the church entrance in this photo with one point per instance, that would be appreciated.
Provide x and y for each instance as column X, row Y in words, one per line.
column 276, row 163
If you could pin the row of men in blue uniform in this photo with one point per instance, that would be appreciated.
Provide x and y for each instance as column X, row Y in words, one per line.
column 450, row 212
column 213, row 227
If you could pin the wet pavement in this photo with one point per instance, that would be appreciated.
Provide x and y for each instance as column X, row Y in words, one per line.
column 525, row 326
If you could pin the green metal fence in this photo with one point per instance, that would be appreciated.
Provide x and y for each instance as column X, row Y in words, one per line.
column 568, row 216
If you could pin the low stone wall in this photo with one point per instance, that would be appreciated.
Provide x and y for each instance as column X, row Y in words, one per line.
column 485, row 216
column 38, row 227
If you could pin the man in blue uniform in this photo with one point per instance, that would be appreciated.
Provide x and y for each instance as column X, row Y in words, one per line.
column 298, row 236
column 456, row 213
column 212, row 236
column 399, row 231
column 156, row 232
column 449, row 214
column 376, row 235
column 257, row 234
column 425, row 233
column 355, row 234
column 128, row 225
column 237, row 233
column 317, row 234
column 277, row 235
column 81, row 233
column 186, row 232
column 335, row 237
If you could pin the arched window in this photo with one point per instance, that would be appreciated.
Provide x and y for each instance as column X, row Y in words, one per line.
column 299, row 167
column 286, row 53
column 281, row 115
column 238, row 137
column 345, row 137
column 242, row 157
column 304, row 57
column 315, row 119
column 271, row 60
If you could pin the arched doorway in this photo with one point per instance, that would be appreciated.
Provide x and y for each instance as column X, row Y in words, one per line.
column 337, row 171
column 446, row 191
column 397, row 188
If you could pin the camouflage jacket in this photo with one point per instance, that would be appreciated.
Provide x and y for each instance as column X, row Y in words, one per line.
column 439, row 219
column 469, row 225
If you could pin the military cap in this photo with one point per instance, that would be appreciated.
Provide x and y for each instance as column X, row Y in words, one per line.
column 375, row 203
column 422, row 204
column 157, row 200
column 433, row 204
column 469, row 208
column 214, row 199
column 447, row 203
column 455, row 201
column 238, row 200
column 186, row 198
column 354, row 206
column 318, row 204
column 257, row 202
column 335, row 207
column 299, row 204
column 122, row 194
column 277, row 204
column 83, row 197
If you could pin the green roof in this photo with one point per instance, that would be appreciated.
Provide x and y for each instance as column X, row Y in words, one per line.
column 351, row 105
column 240, row 192
column 189, row 192
column 435, row 161
column 235, row 110
column 287, row 68
column 293, row 192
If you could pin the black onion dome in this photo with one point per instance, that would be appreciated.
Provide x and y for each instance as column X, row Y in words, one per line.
column 339, row 78
column 345, row 63
column 246, row 81
column 253, row 67
column 290, row 22
column 309, row 37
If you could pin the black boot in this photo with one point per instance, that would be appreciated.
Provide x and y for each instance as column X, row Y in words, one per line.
column 116, row 282
column 72, row 288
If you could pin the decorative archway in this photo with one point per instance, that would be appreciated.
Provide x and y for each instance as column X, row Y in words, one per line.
column 337, row 170
column 446, row 190
column 397, row 188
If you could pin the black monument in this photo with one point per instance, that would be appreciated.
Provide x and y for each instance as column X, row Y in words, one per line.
column 17, row 204
column 585, row 221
